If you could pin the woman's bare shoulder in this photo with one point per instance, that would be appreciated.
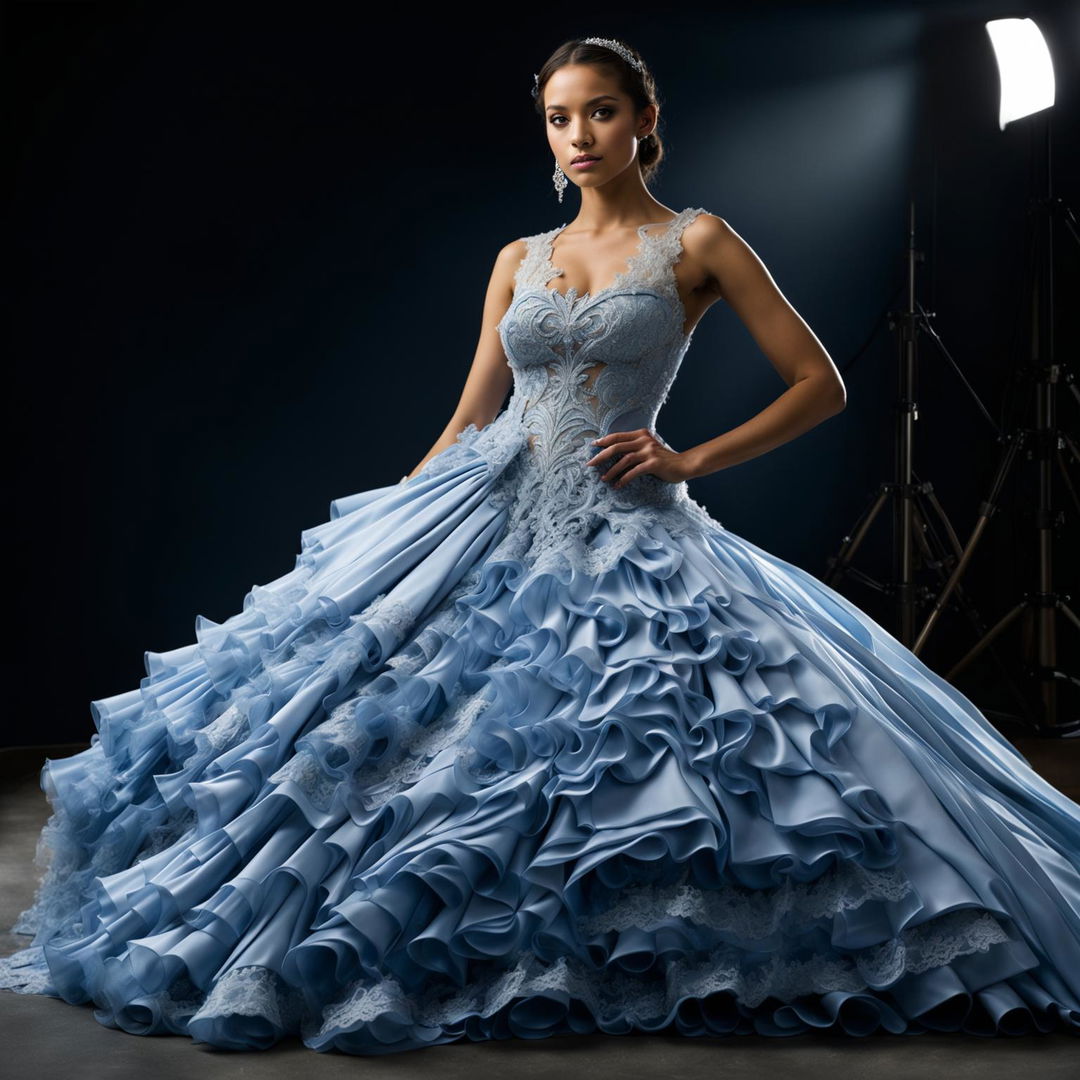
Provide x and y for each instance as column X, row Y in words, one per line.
column 514, row 251
column 708, row 228
column 512, row 255
column 713, row 243
column 508, row 260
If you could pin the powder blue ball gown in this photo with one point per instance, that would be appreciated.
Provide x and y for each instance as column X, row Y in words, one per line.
column 513, row 753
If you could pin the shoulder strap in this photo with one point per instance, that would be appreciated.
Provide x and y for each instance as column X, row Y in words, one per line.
column 537, row 259
column 662, row 249
column 670, row 240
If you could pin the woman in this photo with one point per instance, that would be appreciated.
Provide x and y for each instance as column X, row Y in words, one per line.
column 530, row 744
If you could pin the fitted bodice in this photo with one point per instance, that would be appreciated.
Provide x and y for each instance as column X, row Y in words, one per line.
column 585, row 365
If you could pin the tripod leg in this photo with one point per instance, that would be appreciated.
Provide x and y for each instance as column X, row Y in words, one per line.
column 851, row 543
column 927, row 536
column 1066, row 479
column 995, row 631
column 954, row 540
column 986, row 511
column 1068, row 440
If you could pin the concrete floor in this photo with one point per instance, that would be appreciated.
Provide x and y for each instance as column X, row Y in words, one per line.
column 46, row 1037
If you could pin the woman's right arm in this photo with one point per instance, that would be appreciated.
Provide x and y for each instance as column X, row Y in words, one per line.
column 489, row 378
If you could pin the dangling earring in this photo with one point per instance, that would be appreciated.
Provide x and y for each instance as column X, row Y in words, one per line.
column 560, row 179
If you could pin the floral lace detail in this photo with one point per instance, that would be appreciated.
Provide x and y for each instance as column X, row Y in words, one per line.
column 254, row 991
column 650, row 265
column 555, row 517
column 751, row 914
column 333, row 753
column 583, row 366
column 180, row 1002
column 497, row 443
column 366, row 1003
column 221, row 733
column 225, row 730
column 547, row 527
column 304, row 772
column 164, row 836
column 395, row 615
column 611, row 993
column 535, row 269
column 26, row 970
column 439, row 624
column 62, row 887
column 421, row 749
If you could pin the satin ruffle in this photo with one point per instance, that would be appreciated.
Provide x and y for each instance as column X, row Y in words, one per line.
column 414, row 792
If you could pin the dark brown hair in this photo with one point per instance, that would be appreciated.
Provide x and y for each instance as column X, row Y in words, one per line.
column 639, row 86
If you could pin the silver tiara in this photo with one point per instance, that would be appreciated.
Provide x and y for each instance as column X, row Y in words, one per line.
column 608, row 43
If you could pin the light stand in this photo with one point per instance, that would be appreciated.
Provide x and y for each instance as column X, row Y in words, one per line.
column 1052, row 447
column 1027, row 87
column 915, row 503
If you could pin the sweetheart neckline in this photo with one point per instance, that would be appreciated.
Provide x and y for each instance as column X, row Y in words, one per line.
column 552, row 270
column 625, row 281
column 571, row 298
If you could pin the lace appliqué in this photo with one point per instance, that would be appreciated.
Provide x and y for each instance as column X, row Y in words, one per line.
column 751, row 914
column 332, row 758
column 583, row 366
column 378, row 783
column 496, row 443
column 26, row 971
column 254, row 991
column 220, row 734
column 395, row 615
column 621, row 996
column 66, row 877
column 303, row 771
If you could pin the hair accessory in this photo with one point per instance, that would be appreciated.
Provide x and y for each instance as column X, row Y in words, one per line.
column 608, row 43
column 618, row 47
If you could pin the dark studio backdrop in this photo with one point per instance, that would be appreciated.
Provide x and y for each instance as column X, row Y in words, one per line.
column 248, row 247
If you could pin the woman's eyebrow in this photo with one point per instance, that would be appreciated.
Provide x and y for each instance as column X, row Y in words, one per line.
column 591, row 101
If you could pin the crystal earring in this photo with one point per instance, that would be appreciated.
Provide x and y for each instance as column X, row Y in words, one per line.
column 560, row 179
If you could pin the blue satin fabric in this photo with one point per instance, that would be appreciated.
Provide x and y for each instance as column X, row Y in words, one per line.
column 702, row 713
column 511, row 753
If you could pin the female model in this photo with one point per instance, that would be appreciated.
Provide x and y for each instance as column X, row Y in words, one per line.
column 529, row 744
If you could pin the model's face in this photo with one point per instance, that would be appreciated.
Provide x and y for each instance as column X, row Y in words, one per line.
column 587, row 113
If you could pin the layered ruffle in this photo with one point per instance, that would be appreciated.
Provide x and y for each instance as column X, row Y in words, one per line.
column 427, row 787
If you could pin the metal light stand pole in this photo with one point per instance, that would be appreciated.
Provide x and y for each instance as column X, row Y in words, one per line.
column 916, row 505
column 1052, row 446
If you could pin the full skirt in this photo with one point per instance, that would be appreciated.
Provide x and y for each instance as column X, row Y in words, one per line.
column 420, row 789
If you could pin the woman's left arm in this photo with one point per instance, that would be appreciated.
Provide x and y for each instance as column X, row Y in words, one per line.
column 815, row 389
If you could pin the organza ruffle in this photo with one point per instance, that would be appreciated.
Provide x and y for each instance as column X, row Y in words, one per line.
column 424, row 788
